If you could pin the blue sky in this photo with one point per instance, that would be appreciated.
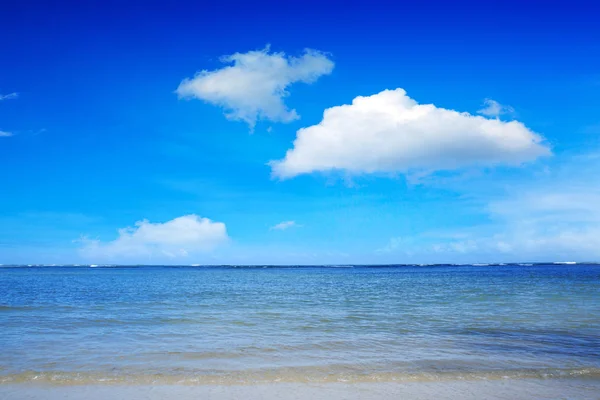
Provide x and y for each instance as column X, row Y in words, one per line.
column 406, row 133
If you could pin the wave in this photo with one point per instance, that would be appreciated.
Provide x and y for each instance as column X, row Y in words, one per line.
column 292, row 266
column 15, row 308
column 287, row 375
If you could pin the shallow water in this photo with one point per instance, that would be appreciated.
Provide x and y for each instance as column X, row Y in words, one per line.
column 523, row 389
column 226, row 325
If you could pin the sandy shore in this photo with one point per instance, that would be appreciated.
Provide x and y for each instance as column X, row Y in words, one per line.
column 465, row 390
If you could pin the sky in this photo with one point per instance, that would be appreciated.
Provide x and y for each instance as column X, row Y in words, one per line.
column 187, row 132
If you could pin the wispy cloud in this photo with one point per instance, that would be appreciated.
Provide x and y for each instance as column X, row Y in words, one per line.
column 551, row 212
column 394, row 244
column 9, row 96
column 284, row 225
column 494, row 109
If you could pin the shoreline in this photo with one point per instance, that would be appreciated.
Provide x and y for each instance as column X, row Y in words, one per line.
column 300, row 376
column 466, row 390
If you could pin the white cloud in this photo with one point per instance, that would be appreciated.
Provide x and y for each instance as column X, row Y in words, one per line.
column 9, row 96
column 573, row 205
column 537, row 225
column 529, row 243
column 407, row 246
column 172, row 239
column 550, row 212
column 255, row 86
column 390, row 132
column 284, row 225
column 549, row 221
column 494, row 109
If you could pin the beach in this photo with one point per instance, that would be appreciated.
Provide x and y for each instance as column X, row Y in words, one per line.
column 466, row 390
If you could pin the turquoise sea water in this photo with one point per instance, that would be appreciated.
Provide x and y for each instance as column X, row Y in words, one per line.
column 228, row 325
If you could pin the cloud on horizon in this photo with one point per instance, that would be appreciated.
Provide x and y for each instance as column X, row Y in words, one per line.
column 389, row 133
column 176, row 238
column 254, row 87
column 553, row 215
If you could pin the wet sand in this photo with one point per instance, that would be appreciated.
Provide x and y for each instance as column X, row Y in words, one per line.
column 464, row 390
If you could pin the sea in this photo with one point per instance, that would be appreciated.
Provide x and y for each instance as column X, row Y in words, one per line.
column 248, row 325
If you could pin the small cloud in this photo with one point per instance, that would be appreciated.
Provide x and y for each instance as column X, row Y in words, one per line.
column 282, row 226
column 9, row 96
column 460, row 246
column 494, row 109
column 394, row 244
column 255, row 85
column 175, row 238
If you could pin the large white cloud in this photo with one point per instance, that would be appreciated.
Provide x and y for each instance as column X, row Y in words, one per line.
column 390, row 132
column 255, row 86
column 172, row 239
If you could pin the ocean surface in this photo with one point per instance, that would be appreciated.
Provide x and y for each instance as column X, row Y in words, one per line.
column 259, row 325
